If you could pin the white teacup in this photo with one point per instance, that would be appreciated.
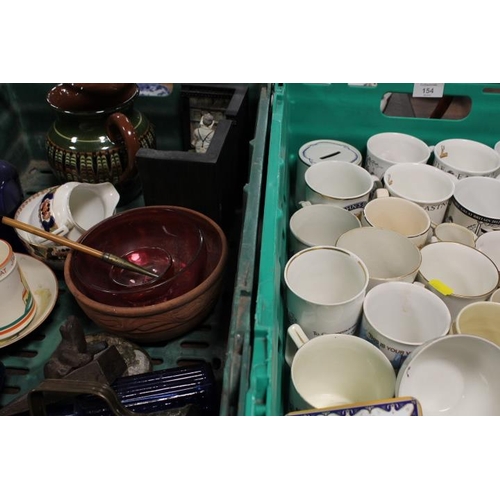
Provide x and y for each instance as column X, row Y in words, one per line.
column 458, row 274
column 400, row 215
column 326, row 286
column 476, row 204
column 314, row 225
column 466, row 158
column 388, row 255
column 335, row 370
column 449, row 231
column 322, row 150
column 423, row 184
column 387, row 148
column 495, row 296
column 489, row 244
column 17, row 304
column 341, row 184
column 399, row 317
column 481, row 319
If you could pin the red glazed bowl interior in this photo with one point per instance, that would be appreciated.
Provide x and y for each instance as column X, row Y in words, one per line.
column 164, row 240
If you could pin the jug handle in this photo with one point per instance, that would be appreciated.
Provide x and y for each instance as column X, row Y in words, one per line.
column 118, row 125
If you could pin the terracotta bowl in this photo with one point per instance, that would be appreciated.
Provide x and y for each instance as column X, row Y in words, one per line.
column 167, row 317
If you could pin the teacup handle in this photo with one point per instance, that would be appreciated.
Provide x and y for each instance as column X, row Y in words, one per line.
column 381, row 193
column 298, row 338
column 377, row 183
column 305, row 204
column 118, row 127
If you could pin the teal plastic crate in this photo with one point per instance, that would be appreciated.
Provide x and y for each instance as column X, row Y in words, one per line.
column 302, row 113
column 222, row 340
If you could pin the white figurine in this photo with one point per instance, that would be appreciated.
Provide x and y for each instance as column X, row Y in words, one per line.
column 204, row 133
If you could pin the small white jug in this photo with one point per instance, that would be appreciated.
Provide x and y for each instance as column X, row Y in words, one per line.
column 73, row 208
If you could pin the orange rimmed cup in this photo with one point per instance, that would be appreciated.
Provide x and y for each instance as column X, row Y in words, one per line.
column 17, row 304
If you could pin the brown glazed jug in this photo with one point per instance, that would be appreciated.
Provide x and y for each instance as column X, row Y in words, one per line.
column 96, row 135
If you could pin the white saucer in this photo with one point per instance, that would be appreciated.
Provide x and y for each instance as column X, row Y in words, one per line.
column 43, row 284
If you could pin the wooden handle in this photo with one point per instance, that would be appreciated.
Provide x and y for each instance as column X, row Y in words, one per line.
column 105, row 256
column 61, row 240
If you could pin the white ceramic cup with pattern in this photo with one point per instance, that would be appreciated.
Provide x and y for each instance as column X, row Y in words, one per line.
column 322, row 150
column 314, row 225
column 17, row 304
column 489, row 244
column 341, row 184
column 325, row 288
column 388, row 255
column 387, row 148
column 481, row 319
column 335, row 370
column 476, row 204
column 449, row 231
column 422, row 184
column 466, row 158
column 458, row 274
column 398, row 317
column 400, row 215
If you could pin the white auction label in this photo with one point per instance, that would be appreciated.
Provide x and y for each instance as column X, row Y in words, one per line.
column 428, row 90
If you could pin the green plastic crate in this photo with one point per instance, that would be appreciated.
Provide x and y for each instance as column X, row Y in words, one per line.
column 302, row 113
column 222, row 339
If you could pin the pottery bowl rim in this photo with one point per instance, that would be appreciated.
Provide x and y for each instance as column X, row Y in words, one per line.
column 153, row 309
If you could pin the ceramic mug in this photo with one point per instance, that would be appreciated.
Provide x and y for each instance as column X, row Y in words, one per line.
column 387, row 148
column 325, row 288
column 74, row 207
column 321, row 150
column 400, row 215
column 481, row 319
column 341, row 184
column 449, row 231
column 388, row 255
column 335, row 370
column 398, row 317
column 476, row 204
column 423, row 184
column 314, row 225
column 458, row 274
column 489, row 244
column 465, row 158
column 17, row 306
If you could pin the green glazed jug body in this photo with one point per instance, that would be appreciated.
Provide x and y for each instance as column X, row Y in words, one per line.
column 96, row 135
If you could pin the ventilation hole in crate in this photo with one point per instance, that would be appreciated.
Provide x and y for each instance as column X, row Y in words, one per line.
column 24, row 354
column 189, row 362
column 12, row 370
column 491, row 90
column 11, row 390
column 189, row 344
column 156, row 361
column 216, row 363
column 449, row 107
column 204, row 328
